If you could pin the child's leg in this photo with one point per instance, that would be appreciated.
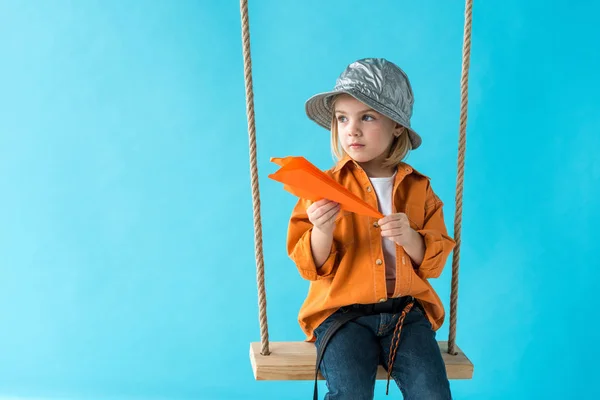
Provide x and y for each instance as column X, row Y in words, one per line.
column 351, row 358
column 419, row 369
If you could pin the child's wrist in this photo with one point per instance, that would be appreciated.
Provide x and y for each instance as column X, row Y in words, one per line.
column 324, row 233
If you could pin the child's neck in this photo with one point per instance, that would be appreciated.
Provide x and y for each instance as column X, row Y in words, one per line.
column 377, row 171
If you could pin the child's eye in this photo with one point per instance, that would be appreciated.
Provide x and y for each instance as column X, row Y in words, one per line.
column 368, row 117
column 341, row 118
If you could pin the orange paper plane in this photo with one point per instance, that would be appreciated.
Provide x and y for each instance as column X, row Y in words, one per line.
column 303, row 179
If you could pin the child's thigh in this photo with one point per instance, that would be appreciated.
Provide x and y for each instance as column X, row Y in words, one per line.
column 351, row 358
column 419, row 368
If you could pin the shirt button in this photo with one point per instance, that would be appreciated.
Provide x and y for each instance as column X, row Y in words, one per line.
column 368, row 188
column 381, row 300
column 378, row 261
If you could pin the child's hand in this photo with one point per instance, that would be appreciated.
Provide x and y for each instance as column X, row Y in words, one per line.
column 397, row 228
column 322, row 214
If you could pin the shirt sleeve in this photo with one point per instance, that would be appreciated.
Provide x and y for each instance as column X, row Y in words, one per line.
column 438, row 245
column 299, row 248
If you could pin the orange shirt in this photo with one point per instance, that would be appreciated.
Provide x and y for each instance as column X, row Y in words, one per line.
column 354, row 272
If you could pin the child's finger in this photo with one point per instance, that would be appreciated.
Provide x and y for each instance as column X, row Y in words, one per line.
column 323, row 202
column 327, row 217
column 392, row 232
column 385, row 220
column 328, row 206
column 318, row 204
column 331, row 213
column 386, row 223
column 391, row 218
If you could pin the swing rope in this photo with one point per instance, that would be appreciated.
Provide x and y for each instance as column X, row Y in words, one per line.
column 258, row 251
column 462, row 142
column 260, row 266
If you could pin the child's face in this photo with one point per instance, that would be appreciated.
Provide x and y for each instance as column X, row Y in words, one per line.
column 364, row 134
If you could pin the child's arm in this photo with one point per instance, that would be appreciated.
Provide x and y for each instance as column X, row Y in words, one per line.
column 428, row 247
column 438, row 245
column 313, row 250
column 320, row 245
column 415, row 248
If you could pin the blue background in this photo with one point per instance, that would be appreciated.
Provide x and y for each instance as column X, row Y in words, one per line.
column 127, row 263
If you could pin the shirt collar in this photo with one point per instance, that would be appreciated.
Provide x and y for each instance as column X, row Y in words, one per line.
column 402, row 168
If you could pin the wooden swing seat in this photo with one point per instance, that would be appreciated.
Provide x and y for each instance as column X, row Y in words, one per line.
column 295, row 361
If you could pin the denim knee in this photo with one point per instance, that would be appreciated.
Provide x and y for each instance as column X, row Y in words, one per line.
column 430, row 389
column 344, row 389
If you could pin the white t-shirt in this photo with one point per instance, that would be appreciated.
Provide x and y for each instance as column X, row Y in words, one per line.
column 383, row 188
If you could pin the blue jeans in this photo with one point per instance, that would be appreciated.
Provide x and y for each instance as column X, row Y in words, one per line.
column 353, row 354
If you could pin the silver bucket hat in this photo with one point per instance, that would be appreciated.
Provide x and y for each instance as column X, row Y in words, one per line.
column 376, row 82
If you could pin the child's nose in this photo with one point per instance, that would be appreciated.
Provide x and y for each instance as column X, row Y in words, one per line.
column 353, row 129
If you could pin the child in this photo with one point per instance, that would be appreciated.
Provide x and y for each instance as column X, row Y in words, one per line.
column 368, row 277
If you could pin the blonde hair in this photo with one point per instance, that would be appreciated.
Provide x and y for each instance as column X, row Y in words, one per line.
column 398, row 151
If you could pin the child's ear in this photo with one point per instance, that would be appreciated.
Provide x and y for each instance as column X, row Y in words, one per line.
column 398, row 130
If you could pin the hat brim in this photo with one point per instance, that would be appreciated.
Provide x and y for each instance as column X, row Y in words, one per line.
column 319, row 110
